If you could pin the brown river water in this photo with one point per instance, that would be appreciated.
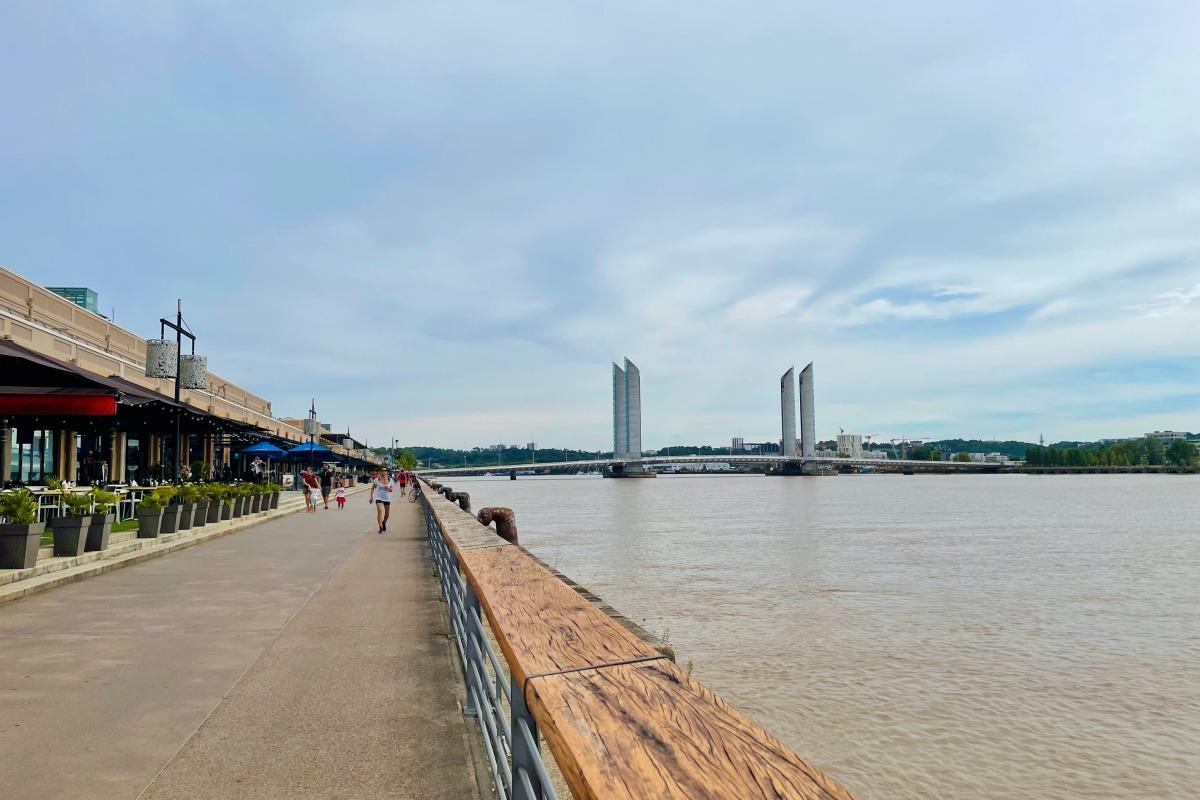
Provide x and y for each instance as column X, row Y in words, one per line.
column 966, row 637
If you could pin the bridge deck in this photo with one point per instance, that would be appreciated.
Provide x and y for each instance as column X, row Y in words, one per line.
column 304, row 658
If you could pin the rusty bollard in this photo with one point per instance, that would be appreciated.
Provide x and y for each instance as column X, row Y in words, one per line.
column 505, row 519
column 445, row 491
column 464, row 501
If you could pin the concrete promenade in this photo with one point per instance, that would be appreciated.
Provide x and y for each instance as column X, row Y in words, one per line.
column 304, row 658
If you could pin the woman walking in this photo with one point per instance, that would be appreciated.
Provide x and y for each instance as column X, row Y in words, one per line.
column 381, row 495
column 311, row 486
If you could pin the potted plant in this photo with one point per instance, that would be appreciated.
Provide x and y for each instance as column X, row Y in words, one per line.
column 188, row 495
column 228, row 501
column 150, row 513
column 274, row 489
column 171, row 509
column 21, row 534
column 71, row 527
column 239, row 499
column 102, row 519
column 260, row 498
column 202, row 504
column 215, row 492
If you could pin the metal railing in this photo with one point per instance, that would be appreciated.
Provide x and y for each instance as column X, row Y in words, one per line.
column 496, row 703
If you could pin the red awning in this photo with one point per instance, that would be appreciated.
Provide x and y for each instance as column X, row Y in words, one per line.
column 66, row 405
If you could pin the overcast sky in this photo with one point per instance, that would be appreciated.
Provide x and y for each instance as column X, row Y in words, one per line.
column 445, row 220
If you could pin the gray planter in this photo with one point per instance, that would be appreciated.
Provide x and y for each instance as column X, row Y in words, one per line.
column 226, row 509
column 239, row 503
column 70, row 535
column 258, row 503
column 149, row 523
column 214, row 511
column 19, row 545
column 201, row 518
column 187, row 513
column 170, row 519
column 99, row 531
column 274, row 500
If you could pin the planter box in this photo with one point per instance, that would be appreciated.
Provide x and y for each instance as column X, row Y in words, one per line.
column 214, row 511
column 257, row 504
column 226, row 510
column 187, row 513
column 170, row 519
column 149, row 523
column 99, row 531
column 19, row 545
column 201, row 518
column 70, row 535
column 274, row 500
column 238, row 505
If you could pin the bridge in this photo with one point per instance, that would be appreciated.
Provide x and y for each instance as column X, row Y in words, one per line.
column 796, row 457
column 784, row 465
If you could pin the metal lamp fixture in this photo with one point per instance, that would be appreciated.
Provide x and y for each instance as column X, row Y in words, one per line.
column 164, row 359
column 193, row 371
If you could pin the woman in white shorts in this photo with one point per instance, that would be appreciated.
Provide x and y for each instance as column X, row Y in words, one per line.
column 381, row 495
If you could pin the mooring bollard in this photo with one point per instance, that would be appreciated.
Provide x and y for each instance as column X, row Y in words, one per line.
column 505, row 519
column 464, row 501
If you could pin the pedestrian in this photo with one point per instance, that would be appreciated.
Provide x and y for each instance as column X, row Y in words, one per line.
column 326, row 484
column 341, row 497
column 404, row 484
column 381, row 496
column 311, row 486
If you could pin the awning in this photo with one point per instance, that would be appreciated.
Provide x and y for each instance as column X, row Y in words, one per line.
column 59, row 404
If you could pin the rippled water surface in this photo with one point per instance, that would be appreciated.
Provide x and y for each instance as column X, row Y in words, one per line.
column 959, row 637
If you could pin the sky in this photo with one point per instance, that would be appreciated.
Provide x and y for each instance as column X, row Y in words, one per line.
column 444, row 221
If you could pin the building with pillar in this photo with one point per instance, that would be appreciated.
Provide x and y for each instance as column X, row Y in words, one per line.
column 627, row 412
column 75, row 402
column 808, row 422
column 787, row 403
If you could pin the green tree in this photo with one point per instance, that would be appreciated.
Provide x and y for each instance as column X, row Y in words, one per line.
column 406, row 461
column 1155, row 452
column 1181, row 453
column 962, row 457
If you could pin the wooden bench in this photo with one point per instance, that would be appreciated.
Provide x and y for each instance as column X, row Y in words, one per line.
column 621, row 719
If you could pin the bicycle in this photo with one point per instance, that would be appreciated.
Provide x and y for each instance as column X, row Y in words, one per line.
column 416, row 490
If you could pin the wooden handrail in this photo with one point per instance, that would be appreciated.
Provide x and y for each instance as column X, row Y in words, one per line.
column 622, row 720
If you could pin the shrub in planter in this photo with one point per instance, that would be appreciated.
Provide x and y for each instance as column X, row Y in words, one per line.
column 171, row 509
column 216, row 494
column 71, row 527
column 274, row 489
column 21, row 533
column 150, row 513
column 239, row 500
column 102, row 520
column 187, row 496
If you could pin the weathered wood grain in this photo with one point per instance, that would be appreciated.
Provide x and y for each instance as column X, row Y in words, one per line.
column 650, row 732
column 543, row 625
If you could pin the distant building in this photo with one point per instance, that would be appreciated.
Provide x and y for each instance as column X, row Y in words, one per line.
column 79, row 295
column 531, row 445
column 825, row 453
column 738, row 444
column 497, row 447
column 762, row 448
column 1166, row 437
column 880, row 455
column 849, row 445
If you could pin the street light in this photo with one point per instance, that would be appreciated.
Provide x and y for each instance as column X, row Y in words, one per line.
column 165, row 359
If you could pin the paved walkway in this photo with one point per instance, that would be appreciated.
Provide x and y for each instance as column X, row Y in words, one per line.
column 305, row 658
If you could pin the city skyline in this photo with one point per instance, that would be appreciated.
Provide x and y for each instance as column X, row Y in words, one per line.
column 980, row 222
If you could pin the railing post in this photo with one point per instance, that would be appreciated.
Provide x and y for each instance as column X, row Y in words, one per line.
column 523, row 758
column 471, row 610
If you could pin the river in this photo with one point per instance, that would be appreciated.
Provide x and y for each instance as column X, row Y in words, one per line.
column 975, row 637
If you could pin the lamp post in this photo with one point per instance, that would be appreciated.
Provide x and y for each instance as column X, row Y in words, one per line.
column 311, row 426
column 165, row 359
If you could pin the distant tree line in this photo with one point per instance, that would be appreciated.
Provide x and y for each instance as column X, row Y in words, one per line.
column 1130, row 453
